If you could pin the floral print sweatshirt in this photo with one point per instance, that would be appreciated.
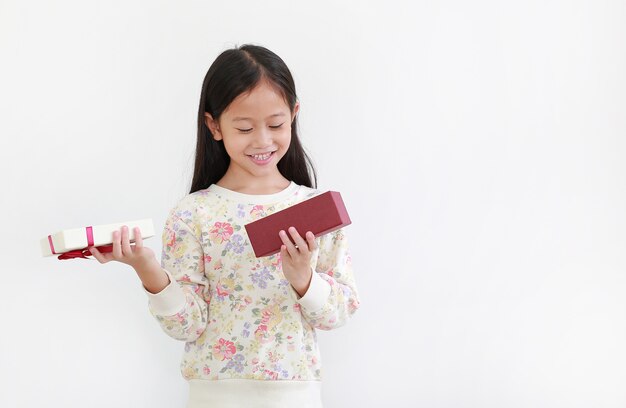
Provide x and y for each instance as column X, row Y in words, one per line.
column 237, row 314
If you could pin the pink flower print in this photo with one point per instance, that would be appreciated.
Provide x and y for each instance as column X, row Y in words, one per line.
column 273, row 375
column 271, row 316
column 224, row 287
column 273, row 357
column 257, row 367
column 181, row 318
column 221, row 290
column 207, row 258
column 277, row 260
column 221, row 231
column 262, row 335
column 185, row 278
column 353, row 305
column 170, row 239
column 206, row 370
column 257, row 211
column 224, row 348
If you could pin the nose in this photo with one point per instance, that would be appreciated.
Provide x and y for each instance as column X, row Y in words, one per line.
column 262, row 139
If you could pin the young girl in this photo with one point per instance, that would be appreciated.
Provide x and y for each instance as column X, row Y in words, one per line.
column 248, row 323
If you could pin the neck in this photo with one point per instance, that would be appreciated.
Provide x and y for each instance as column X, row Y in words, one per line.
column 254, row 186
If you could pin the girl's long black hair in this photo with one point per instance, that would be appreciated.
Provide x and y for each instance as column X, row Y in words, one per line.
column 233, row 72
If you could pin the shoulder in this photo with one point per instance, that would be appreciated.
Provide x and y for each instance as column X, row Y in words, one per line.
column 305, row 192
column 190, row 208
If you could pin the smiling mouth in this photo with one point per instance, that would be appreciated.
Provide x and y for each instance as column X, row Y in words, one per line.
column 262, row 156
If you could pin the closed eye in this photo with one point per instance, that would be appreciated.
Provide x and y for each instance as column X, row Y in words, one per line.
column 249, row 130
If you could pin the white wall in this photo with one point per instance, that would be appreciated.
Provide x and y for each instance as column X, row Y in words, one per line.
column 479, row 147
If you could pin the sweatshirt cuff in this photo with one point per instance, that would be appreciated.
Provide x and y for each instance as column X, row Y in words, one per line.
column 316, row 295
column 170, row 300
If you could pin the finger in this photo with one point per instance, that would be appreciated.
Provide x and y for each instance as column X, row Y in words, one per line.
column 125, row 242
column 310, row 237
column 96, row 254
column 117, row 246
column 290, row 246
column 138, row 239
column 300, row 242
column 102, row 258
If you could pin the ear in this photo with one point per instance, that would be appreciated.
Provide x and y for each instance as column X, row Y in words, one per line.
column 213, row 126
column 296, row 108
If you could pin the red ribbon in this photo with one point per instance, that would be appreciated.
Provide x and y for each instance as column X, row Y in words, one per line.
column 84, row 252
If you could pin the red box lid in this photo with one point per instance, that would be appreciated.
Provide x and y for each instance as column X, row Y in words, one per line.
column 321, row 214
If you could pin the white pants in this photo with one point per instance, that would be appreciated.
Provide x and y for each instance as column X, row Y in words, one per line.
column 246, row 393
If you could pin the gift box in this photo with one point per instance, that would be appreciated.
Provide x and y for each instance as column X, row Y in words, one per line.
column 74, row 243
column 321, row 214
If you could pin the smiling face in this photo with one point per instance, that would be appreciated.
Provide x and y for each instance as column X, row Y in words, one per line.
column 255, row 123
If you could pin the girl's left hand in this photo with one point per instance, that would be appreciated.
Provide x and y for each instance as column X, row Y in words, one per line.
column 297, row 260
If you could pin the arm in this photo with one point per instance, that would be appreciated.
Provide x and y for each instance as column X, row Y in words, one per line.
column 332, row 297
column 181, row 308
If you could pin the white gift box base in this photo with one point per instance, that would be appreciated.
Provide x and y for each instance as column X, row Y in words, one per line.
column 76, row 238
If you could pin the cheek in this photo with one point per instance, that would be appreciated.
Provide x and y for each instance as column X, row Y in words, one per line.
column 285, row 136
column 284, row 148
column 234, row 145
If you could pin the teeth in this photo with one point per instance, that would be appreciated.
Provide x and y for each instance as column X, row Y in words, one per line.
column 259, row 157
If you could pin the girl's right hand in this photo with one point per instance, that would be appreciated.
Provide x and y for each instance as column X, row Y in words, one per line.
column 136, row 256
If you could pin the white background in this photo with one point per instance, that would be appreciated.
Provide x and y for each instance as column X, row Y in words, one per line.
column 479, row 148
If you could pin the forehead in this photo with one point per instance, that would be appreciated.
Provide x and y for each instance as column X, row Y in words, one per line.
column 262, row 101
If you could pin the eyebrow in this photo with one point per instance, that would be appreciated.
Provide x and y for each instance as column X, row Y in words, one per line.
column 235, row 119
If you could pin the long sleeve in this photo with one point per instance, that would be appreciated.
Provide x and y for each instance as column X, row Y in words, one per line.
column 332, row 297
column 181, row 308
